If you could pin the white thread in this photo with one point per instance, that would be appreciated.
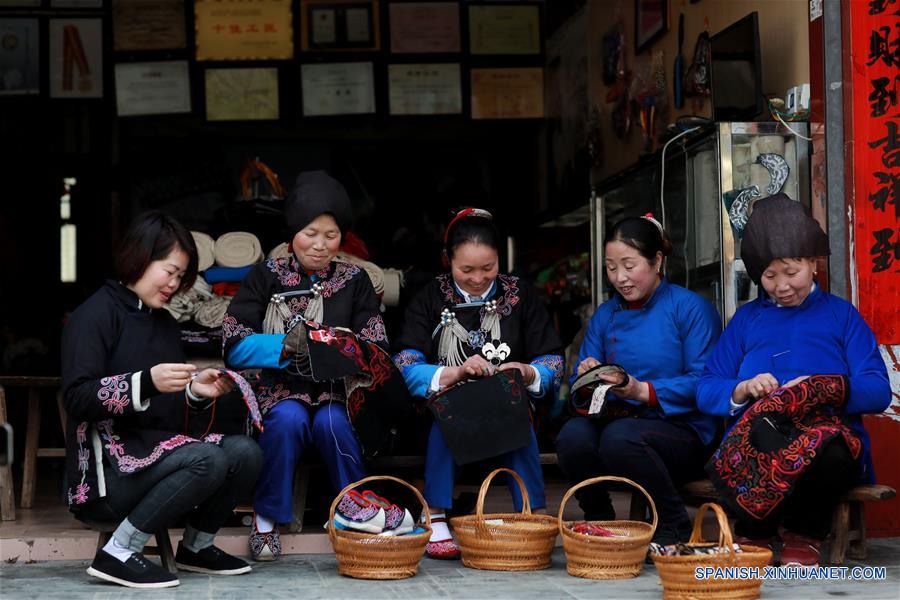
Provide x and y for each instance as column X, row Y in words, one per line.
column 331, row 427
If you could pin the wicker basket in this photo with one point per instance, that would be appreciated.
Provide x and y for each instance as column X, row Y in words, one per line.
column 678, row 573
column 523, row 542
column 596, row 557
column 368, row 556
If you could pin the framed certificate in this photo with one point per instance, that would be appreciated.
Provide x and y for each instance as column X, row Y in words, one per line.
column 19, row 57
column 500, row 29
column 338, row 89
column 76, row 58
column 153, row 88
column 424, row 27
column 242, row 30
column 241, row 94
column 339, row 25
column 508, row 93
column 148, row 25
column 425, row 89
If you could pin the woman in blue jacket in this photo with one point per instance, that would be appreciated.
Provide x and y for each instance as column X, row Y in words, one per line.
column 795, row 369
column 650, row 430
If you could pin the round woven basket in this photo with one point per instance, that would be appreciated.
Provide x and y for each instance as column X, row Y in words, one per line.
column 522, row 542
column 368, row 556
column 595, row 557
column 678, row 573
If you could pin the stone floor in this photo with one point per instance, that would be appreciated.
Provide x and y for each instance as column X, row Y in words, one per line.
column 315, row 577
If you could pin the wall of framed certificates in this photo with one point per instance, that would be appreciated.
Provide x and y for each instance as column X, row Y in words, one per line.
column 398, row 58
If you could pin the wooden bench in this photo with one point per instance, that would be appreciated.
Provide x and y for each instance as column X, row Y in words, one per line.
column 374, row 465
column 848, row 523
column 34, row 385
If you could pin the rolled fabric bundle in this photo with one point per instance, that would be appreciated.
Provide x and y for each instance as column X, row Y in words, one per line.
column 183, row 305
column 280, row 251
column 206, row 256
column 374, row 271
column 210, row 313
column 237, row 249
column 393, row 281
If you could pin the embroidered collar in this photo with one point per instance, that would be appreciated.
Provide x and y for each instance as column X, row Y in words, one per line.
column 475, row 301
column 313, row 276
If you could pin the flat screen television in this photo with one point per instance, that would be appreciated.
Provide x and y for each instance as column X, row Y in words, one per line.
column 736, row 75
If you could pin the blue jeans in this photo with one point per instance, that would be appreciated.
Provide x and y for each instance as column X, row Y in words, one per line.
column 655, row 453
column 200, row 480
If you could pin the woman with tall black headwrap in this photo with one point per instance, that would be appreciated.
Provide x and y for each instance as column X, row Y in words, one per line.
column 795, row 369
column 310, row 290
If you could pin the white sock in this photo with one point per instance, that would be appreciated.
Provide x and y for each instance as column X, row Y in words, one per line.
column 264, row 525
column 439, row 531
column 113, row 548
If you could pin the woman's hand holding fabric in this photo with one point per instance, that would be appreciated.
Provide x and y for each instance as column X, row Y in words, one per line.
column 526, row 371
column 633, row 389
column 171, row 377
column 589, row 363
column 796, row 380
column 475, row 367
column 757, row 387
column 210, row 383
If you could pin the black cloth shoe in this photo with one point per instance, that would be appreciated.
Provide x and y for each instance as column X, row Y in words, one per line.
column 211, row 560
column 136, row 572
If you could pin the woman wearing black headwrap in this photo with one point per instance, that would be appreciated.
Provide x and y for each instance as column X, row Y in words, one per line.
column 795, row 369
column 311, row 287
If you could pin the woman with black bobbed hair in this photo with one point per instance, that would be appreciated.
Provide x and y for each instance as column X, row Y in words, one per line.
column 469, row 324
column 650, row 429
column 135, row 453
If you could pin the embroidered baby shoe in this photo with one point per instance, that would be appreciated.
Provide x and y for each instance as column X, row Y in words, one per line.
column 356, row 513
column 397, row 520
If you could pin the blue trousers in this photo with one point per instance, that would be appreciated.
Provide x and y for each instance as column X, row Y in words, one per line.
column 440, row 472
column 291, row 427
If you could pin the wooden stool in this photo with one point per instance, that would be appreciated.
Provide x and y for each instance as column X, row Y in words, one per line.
column 848, row 524
column 32, row 433
column 7, row 493
column 162, row 549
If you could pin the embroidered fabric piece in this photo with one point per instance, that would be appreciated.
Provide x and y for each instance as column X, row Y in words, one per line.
column 248, row 395
column 800, row 419
column 598, row 398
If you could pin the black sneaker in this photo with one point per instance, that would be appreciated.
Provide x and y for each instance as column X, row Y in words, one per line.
column 211, row 560
column 136, row 572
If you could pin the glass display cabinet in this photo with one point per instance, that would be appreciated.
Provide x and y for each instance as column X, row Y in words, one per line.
column 703, row 191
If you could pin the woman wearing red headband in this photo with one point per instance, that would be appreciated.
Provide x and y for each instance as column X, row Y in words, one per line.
column 469, row 324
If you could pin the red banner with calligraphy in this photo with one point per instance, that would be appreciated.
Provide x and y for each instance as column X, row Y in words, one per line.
column 875, row 59
column 872, row 80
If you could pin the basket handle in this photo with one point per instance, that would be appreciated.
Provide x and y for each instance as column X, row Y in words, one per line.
column 592, row 481
column 352, row 486
column 479, row 506
column 725, row 538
